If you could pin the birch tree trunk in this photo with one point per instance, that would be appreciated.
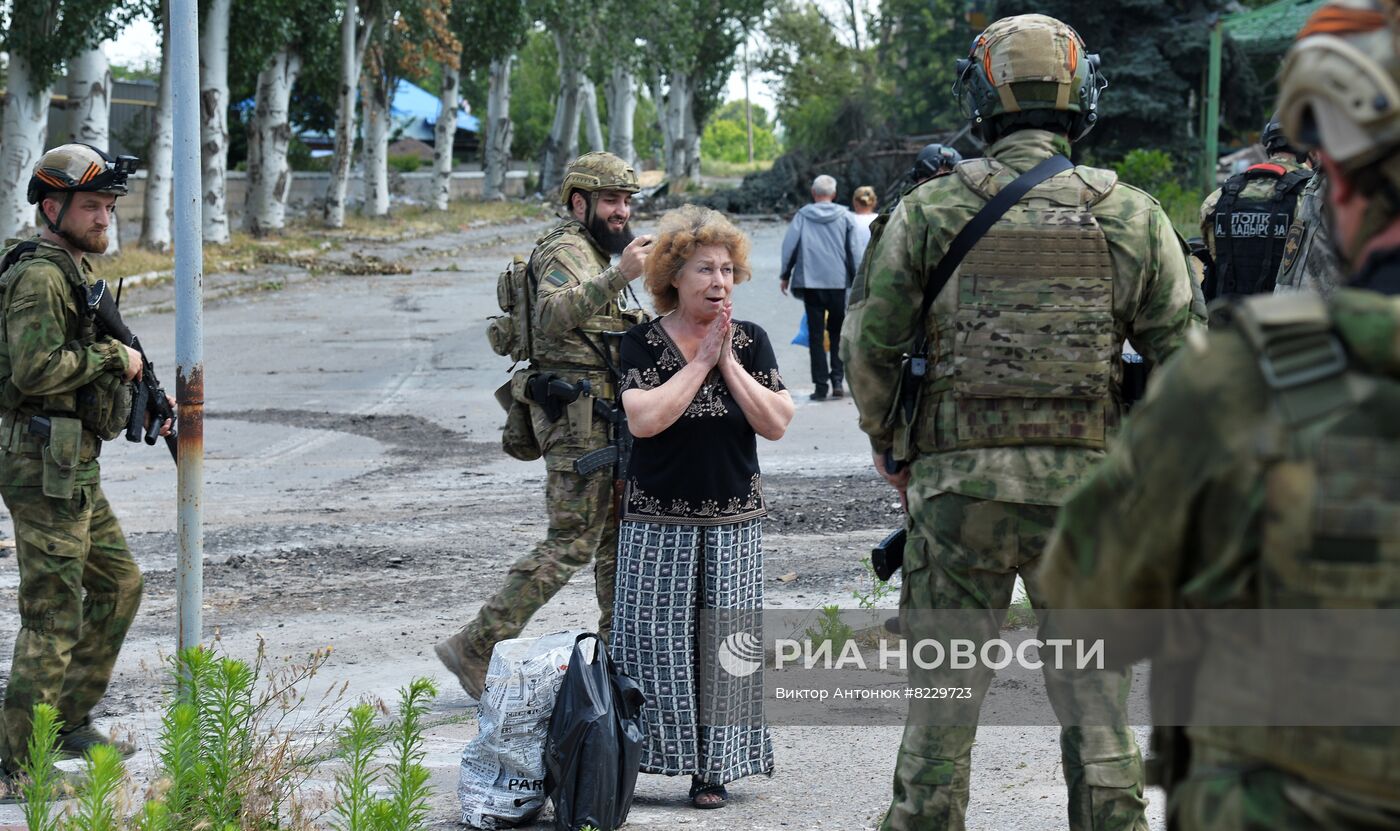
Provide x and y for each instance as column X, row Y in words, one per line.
column 663, row 121
column 444, row 133
column 620, row 91
column 90, row 110
column 22, row 134
column 588, row 103
column 499, row 129
column 562, row 146
column 690, row 133
column 352, row 50
column 375, row 154
column 160, row 167
column 269, row 134
column 213, row 106
column 677, row 105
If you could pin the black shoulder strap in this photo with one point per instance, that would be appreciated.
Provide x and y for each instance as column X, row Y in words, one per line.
column 1292, row 180
column 973, row 231
column 17, row 253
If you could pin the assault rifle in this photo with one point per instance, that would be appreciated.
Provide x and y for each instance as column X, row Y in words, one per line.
column 148, row 399
column 618, row 453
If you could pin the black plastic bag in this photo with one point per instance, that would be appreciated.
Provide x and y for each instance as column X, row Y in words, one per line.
column 594, row 746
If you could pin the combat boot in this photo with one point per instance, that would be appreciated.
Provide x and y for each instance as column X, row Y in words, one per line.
column 75, row 743
column 459, row 655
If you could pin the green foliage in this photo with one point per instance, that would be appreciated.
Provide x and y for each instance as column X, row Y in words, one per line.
column 407, row 806
column 534, row 80
column 822, row 89
column 489, row 30
column 830, row 627
column 147, row 71
column 1155, row 55
column 726, row 136
column 1157, row 173
column 879, row 589
column 359, row 740
column 48, row 32
column 38, row 766
column 1147, row 169
column 405, row 162
column 96, row 809
column 918, row 43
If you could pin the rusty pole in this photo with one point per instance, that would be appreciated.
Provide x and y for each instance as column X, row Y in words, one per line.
column 189, row 319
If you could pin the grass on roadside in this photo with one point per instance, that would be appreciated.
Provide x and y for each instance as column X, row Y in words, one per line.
column 306, row 236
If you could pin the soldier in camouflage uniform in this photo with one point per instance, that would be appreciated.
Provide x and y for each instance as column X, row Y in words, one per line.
column 1260, row 473
column 1255, row 209
column 1021, row 394
column 79, row 587
column 1309, row 258
column 579, row 298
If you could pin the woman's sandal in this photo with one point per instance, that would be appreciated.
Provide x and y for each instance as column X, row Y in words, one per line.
column 707, row 796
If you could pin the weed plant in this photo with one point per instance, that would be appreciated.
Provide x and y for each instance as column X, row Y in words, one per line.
column 238, row 744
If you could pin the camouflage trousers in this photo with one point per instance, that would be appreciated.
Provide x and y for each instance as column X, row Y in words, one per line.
column 582, row 527
column 79, row 590
column 1223, row 791
column 965, row 553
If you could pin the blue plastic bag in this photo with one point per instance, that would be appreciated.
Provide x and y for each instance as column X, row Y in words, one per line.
column 802, row 338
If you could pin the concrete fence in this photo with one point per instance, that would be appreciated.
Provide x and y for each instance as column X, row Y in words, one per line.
column 309, row 191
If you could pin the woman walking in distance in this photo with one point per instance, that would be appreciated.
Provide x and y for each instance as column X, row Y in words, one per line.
column 698, row 388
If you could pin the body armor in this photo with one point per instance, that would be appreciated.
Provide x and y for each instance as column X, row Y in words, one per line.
column 1250, row 233
column 1031, row 355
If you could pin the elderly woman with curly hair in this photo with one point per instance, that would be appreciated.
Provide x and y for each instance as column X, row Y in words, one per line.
column 698, row 388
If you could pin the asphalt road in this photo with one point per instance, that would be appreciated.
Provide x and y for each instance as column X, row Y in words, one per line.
column 356, row 498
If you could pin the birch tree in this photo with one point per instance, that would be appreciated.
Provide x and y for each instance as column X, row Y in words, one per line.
column 620, row 92
column 418, row 36
column 213, row 117
column 491, row 32
column 445, row 132
column 357, row 23
column 588, row 104
column 160, row 167
column 39, row 35
column 567, row 21
column 90, row 111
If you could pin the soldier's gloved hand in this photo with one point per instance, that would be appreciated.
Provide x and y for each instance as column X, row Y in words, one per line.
column 634, row 257
column 133, row 364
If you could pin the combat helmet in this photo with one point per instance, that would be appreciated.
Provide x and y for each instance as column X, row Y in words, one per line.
column 598, row 171
column 1033, row 71
column 78, row 168
column 1274, row 140
column 1339, row 91
column 933, row 160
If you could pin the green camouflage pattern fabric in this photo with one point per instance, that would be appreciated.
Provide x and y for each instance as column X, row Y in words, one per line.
column 1209, row 517
column 1310, row 262
column 1155, row 303
column 965, row 553
column 577, row 289
column 79, row 587
column 1260, row 189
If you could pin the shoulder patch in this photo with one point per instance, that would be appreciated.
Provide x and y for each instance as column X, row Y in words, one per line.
column 557, row 278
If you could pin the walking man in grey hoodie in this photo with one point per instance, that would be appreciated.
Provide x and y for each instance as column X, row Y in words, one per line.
column 821, row 251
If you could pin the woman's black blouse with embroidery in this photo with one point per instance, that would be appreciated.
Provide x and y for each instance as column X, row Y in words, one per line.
column 703, row 469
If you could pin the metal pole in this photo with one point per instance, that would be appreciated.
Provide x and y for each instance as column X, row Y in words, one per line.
column 1212, row 126
column 189, row 319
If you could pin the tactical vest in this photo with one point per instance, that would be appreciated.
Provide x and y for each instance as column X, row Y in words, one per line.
column 1329, row 539
column 103, row 404
column 1031, row 354
column 1250, row 234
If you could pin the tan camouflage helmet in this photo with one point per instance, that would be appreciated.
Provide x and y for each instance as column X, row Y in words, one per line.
column 1029, row 63
column 75, row 168
column 1340, row 86
column 597, row 171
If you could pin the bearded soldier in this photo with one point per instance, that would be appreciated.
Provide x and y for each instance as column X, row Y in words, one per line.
column 989, row 388
column 63, row 390
column 1245, row 223
column 577, row 300
column 1260, row 473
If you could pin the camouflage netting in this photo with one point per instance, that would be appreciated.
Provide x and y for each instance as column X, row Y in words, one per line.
column 787, row 185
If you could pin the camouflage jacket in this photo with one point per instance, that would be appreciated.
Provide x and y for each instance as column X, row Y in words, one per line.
column 578, row 291
column 51, row 354
column 1257, row 189
column 1155, row 303
column 1226, row 492
column 1310, row 263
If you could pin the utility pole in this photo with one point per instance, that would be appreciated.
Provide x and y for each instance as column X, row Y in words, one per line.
column 189, row 321
column 748, row 108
